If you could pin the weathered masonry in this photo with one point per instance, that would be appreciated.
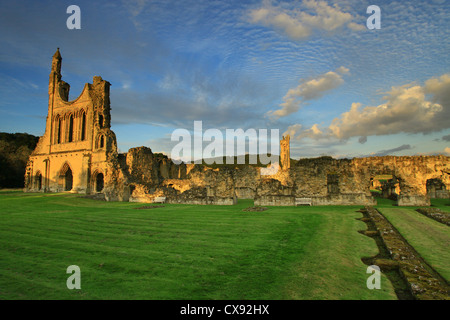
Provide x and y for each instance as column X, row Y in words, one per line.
column 78, row 153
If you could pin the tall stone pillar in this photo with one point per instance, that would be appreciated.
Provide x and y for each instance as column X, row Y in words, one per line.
column 285, row 153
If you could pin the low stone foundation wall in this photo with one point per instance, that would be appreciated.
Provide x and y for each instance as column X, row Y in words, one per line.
column 356, row 199
column 274, row 200
column 225, row 201
column 144, row 199
column 414, row 200
column 339, row 199
column 245, row 193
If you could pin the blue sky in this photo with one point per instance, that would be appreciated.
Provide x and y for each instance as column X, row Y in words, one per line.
column 308, row 68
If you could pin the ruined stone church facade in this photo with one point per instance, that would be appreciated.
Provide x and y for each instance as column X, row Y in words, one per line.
column 78, row 153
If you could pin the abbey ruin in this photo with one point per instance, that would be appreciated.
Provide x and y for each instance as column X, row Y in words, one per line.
column 78, row 153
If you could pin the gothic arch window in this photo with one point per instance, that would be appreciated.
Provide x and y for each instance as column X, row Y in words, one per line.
column 59, row 130
column 70, row 137
column 100, row 121
column 58, row 123
column 100, row 141
column 83, row 125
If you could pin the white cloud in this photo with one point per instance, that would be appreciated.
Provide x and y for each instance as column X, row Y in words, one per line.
column 292, row 130
column 280, row 21
column 313, row 133
column 298, row 24
column 356, row 27
column 408, row 109
column 309, row 90
column 327, row 18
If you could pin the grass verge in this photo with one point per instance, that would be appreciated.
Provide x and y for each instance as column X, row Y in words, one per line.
column 181, row 251
column 429, row 238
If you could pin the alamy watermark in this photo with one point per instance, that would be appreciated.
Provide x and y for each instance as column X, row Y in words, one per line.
column 190, row 148
column 374, row 281
column 74, row 281
column 74, row 21
column 374, row 21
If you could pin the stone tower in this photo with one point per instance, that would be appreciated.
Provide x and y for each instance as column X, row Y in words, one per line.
column 285, row 152
column 78, row 151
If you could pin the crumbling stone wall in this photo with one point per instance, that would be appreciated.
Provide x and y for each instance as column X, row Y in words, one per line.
column 271, row 192
column 325, row 180
column 319, row 178
column 412, row 174
column 78, row 153
column 152, row 176
column 437, row 189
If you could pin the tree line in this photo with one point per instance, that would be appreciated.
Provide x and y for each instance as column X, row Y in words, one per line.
column 15, row 149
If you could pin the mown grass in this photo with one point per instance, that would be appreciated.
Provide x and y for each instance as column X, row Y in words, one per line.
column 181, row 251
column 430, row 238
column 443, row 204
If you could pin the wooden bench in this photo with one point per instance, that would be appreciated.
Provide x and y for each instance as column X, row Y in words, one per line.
column 303, row 201
column 159, row 200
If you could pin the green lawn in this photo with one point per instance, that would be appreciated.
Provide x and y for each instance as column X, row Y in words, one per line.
column 430, row 238
column 443, row 204
column 382, row 202
column 181, row 251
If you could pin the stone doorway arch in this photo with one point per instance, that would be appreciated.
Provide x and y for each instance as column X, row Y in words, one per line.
column 38, row 181
column 66, row 177
column 99, row 183
column 98, row 179
column 436, row 189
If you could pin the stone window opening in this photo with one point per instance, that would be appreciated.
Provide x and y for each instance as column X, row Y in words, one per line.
column 100, row 141
column 58, row 125
column 70, row 138
column 83, row 126
column 100, row 121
